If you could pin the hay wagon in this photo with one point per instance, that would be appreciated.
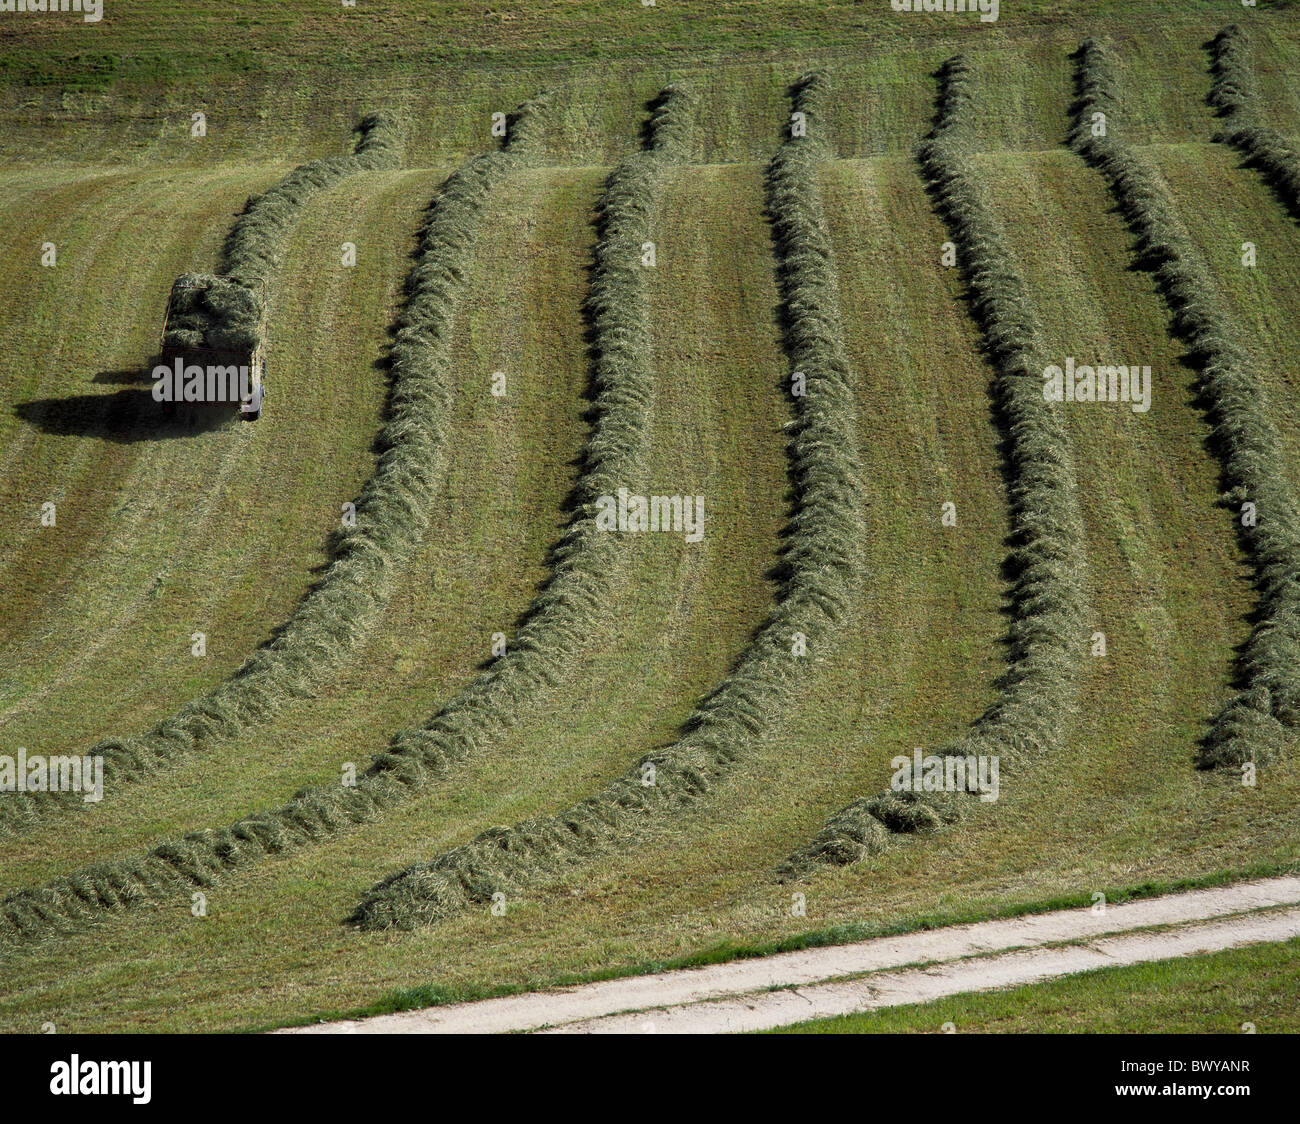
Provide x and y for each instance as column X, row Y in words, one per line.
column 214, row 343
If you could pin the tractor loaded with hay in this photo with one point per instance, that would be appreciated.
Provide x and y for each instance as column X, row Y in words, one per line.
column 214, row 333
column 213, row 345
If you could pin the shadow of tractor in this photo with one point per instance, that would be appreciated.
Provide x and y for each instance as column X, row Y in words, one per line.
column 125, row 416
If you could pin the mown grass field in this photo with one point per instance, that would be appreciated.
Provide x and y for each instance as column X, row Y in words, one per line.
column 160, row 536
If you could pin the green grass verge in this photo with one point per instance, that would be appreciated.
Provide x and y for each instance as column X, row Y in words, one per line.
column 242, row 37
column 437, row 995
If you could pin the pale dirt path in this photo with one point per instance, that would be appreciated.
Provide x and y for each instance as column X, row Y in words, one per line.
column 921, row 985
column 587, row 1002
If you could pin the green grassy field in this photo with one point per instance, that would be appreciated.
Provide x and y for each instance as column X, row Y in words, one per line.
column 1219, row 993
column 222, row 532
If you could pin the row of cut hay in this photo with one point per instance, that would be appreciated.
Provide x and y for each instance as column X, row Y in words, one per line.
column 1255, row 723
column 821, row 562
column 563, row 614
column 392, row 512
column 1236, row 97
column 1035, row 696
column 228, row 312
column 252, row 252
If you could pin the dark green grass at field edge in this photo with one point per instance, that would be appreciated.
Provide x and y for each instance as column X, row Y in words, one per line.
column 205, row 38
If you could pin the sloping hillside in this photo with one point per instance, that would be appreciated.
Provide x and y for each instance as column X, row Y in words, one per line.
column 163, row 530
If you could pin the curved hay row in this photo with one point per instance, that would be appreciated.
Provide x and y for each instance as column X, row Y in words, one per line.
column 391, row 514
column 822, row 561
column 1032, row 708
column 253, row 250
column 570, row 605
column 1235, row 96
column 1255, row 723
column 557, row 623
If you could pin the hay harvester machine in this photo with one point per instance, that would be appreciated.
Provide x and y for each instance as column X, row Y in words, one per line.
column 214, row 346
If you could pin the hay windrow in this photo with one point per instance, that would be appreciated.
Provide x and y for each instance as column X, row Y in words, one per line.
column 823, row 560
column 564, row 612
column 1235, row 95
column 1256, row 723
column 226, row 313
column 1035, row 697
column 253, row 250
